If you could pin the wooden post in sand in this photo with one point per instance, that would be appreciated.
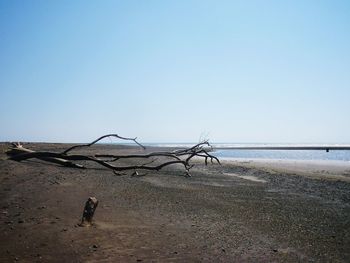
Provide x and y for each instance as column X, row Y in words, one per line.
column 89, row 211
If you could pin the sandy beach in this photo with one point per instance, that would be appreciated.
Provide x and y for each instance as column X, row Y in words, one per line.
column 240, row 211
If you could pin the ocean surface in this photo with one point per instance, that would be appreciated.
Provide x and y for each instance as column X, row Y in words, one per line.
column 339, row 155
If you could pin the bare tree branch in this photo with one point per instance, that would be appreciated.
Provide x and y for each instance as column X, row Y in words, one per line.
column 101, row 138
column 180, row 157
column 129, row 156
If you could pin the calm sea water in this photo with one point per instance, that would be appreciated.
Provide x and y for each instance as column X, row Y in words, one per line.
column 339, row 155
column 343, row 155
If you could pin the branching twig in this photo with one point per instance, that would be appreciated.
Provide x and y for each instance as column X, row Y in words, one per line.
column 99, row 139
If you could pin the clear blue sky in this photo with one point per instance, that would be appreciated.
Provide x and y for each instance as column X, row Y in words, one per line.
column 171, row 71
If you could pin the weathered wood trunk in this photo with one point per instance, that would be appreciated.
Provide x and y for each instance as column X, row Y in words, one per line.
column 89, row 211
column 17, row 150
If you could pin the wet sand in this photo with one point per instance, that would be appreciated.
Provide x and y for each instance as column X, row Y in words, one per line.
column 241, row 211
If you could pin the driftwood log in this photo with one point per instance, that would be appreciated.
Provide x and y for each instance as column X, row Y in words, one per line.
column 89, row 211
column 152, row 161
column 17, row 149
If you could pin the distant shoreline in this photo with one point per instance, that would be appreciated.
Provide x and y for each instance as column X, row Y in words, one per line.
column 323, row 169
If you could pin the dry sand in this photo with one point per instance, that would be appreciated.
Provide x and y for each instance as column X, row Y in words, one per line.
column 241, row 211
